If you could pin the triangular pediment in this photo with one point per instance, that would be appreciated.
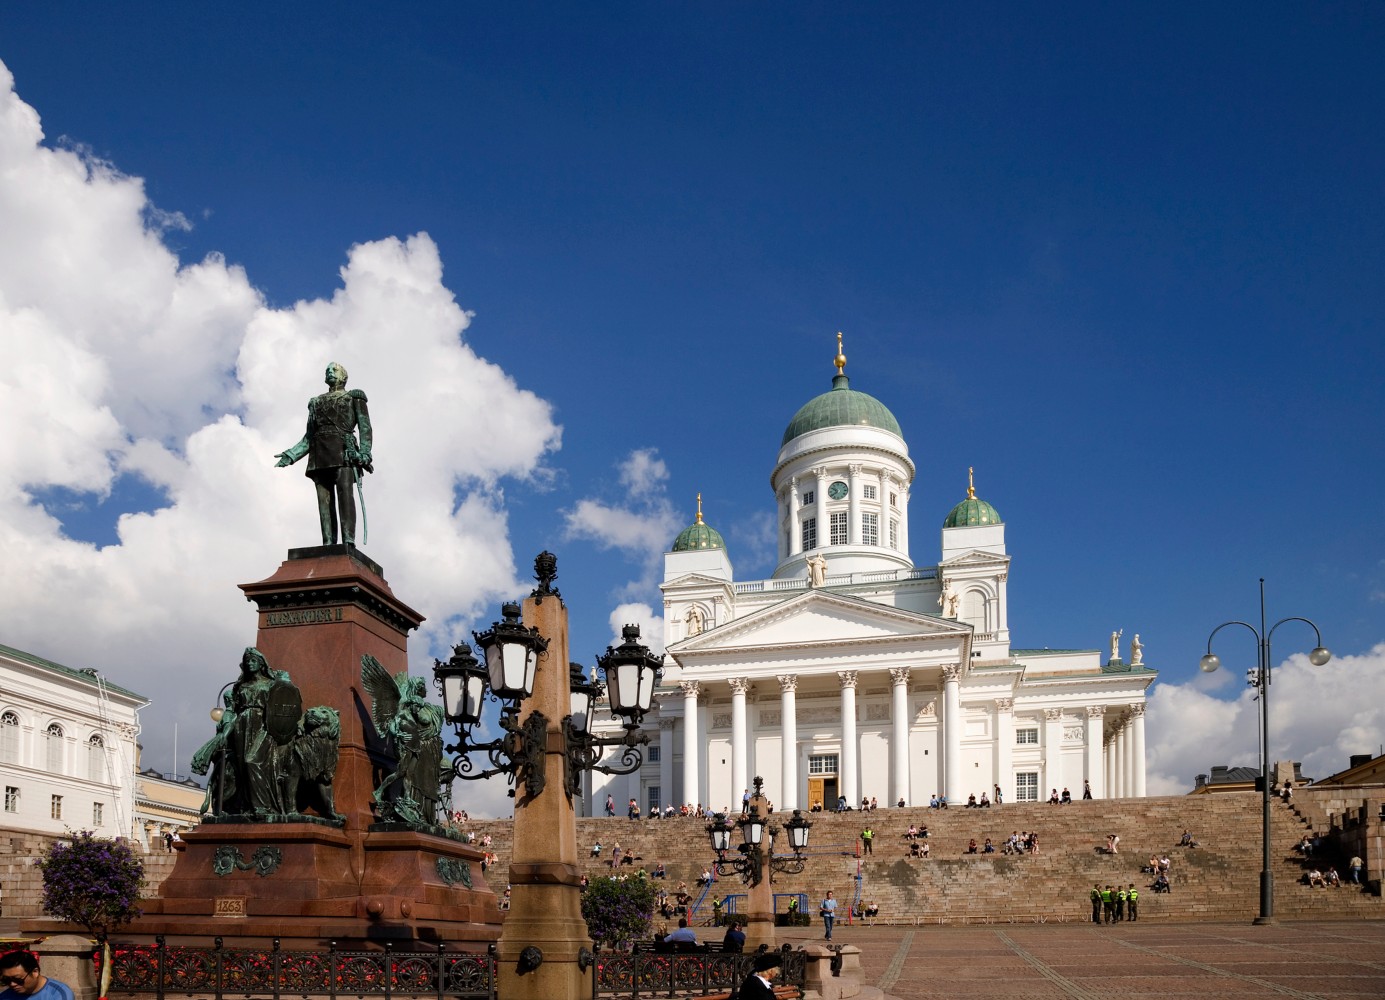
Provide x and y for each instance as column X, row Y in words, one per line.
column 974, row 557
column 821, row 618
column 693, row 580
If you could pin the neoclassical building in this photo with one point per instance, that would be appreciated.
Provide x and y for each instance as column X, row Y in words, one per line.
column 856, row 671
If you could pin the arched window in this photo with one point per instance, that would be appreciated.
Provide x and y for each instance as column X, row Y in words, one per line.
column 976, row 610
column 96, row 758
column 9, row 738
column 54, row 751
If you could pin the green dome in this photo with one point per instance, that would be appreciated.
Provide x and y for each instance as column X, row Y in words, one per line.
column 698, row 535
column 841, row 407
column 971, row 512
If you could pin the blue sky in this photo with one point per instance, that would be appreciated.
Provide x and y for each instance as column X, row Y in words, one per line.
column 1125, row 262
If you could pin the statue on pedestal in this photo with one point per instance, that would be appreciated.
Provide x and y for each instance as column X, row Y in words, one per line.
column 411, row 729
column 817, row 570
column 335, row 457
column 949, row 600
column 1137, row 651
column 1116, row 645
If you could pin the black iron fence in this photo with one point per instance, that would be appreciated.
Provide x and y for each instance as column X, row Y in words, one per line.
column 161, row 970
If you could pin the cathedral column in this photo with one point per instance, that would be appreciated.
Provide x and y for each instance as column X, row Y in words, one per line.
column 692, row 747
column 740, row 686
column 1053, row 751
column 853, row 518
column 820, row 508
column 1137, row 750
column 665, row 762
column 788, row 740
column 795, row 531
column 1093, row 769
column 899, row 739
column 1128, row 780
column 849, row 787
column 952, row 733
column 903, row 492
column 1121, row 790
column 1004, row 741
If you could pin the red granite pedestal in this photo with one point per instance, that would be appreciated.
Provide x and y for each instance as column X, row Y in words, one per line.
column 356, row 883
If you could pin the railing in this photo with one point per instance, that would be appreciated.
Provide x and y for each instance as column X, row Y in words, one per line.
column 839, row 580
column 221, row 972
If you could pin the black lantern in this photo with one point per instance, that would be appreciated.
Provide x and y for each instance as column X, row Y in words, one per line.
column 719, row 832
column 463, row 685
column 752, row 829
column 797, row 829
column 581, row 694
column 512, row 653
column 631, row 671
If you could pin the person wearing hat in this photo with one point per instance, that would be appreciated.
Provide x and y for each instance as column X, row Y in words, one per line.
column 759, row 985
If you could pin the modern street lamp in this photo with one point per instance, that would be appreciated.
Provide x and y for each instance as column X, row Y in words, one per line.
column 1260, row 680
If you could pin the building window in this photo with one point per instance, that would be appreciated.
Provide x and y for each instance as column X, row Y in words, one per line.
column 9, row 738
column 54, row 754
column 654, row 804
column 810, row 533
column 838, row 528
column 55, row 808
column 96, row 758
column 809, row 497
column 651, row 754
column 1027, row 786
column 868, row 492
column 894, row 500
column 894, row 533
column 11, row 799
column 96, row 813
column 870, row 529
column 1029, row 736
column 823, row 763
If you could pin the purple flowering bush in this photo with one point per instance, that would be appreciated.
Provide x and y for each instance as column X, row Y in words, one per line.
column 618, row 912
column 93, row 882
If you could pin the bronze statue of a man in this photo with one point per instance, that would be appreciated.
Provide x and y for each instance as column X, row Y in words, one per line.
column 335, row 456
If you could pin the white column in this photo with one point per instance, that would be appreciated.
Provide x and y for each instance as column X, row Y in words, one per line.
column 1128, row 782
column 1121, row 791
column 952, row 734
column 1137, row 750
column 692, row 746
column 1093, row 768
column 903, row 492
column 820, row 494
column 1112, row 791
column 853, row 520
column 739, row 740
column 899, row 738
column 788, row 740
column 1053, row 751
column 665, row 762
column 1004, row 742
column 795, row 530
column 849, row 766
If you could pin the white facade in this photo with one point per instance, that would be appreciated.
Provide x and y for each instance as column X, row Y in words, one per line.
column 67, row 748
column 869, row 683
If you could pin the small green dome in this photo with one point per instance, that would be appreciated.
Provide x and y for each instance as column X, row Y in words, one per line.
column 971, row 512
column 841, row 406
column 698, row 535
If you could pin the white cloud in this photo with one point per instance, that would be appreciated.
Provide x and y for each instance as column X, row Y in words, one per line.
column 651, row 625
column 121, row 360
column 1318, row 715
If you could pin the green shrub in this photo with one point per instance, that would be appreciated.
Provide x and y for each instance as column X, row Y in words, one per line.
column 617, row 912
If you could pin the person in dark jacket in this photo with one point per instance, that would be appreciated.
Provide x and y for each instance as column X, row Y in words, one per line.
column 759, row 985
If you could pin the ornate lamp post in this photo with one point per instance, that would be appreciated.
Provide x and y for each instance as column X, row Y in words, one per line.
column 544, row 950
column 756, row 865
column 1260, row 680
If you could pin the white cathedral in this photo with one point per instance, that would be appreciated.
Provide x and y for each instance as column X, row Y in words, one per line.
column 855, row 672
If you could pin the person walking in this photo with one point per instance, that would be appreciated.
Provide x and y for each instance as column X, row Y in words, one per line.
column 828, row 910
column 610, row 805
column 1086, row 789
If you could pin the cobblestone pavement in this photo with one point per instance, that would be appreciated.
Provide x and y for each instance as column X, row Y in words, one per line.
column 1089, row 962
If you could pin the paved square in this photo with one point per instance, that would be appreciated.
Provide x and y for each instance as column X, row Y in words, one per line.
column 1332, row 961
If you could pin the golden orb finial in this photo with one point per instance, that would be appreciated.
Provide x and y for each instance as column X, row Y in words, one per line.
column 971, row 483
column 699, row 507
column 840, row 359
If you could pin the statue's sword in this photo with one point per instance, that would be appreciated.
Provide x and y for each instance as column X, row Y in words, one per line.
column 360, row 496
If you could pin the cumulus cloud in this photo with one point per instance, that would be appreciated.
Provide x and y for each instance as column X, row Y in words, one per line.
column 1318, row 715
column 122, row 360
column 651, row 625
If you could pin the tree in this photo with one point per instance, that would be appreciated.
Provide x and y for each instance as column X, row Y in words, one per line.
column 93, row 882
column 618, row 912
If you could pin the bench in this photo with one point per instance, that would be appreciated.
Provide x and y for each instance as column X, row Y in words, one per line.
column 780, row 993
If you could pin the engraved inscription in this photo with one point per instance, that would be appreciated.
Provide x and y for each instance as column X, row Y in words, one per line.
column 229, row 906
column 302, row 616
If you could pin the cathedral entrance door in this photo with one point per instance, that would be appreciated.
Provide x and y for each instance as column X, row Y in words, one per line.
column 816, row 795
